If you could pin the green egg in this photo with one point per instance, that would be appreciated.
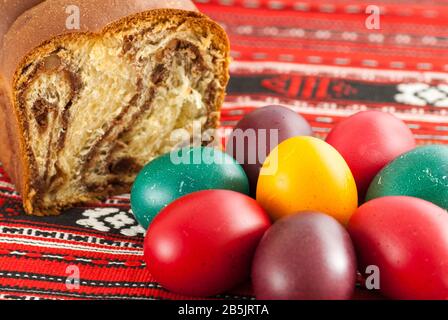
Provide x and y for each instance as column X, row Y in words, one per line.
column 182, row 172
column 421, row 173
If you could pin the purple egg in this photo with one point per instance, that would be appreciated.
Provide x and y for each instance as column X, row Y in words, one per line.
column 307, row 256
column 259, row 132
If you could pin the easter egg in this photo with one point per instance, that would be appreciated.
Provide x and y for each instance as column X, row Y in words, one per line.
column 421, row 173
column 407, row 239
column 307, row 174
column 307, row 256
column 203, row 244
column 179, row 173
column 259, row 132
column 368, row 141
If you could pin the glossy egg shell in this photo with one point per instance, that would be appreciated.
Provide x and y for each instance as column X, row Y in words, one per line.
column 176, row 174
column 407, row 238
column 203, row 244
column 288, row 123
column 420, row 173
column 308, row 256
column 368, row 141
column 307, row 174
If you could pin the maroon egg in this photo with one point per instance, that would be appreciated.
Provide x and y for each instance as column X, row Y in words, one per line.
column 308, row 256
column 253, row 138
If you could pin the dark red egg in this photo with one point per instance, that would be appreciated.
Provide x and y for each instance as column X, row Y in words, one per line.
column 259, row 132
column 308, row 256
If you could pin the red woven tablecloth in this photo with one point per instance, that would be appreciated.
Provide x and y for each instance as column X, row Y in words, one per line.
column 316, row 56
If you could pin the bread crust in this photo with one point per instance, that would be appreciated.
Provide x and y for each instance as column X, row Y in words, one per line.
column 32, row 28
column 23, row 43
column 10, row 10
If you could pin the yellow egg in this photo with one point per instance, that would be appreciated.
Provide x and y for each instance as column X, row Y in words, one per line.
column 307, row 174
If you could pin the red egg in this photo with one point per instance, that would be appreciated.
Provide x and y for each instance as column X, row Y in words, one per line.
column 407, row 239
column 368, row 141
column 203, row 244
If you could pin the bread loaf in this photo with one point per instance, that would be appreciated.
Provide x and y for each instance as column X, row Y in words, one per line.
column 9, row 11
column 81, row 111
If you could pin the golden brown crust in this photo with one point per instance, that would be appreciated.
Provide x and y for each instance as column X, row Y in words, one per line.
column 97, row 18
column 33, row 28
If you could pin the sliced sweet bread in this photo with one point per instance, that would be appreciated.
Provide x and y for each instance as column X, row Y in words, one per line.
column 91, row 108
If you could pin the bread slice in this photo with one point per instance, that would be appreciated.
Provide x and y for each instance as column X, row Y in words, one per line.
column 84, row 111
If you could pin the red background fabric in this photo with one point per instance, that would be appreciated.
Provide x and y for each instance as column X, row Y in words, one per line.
column 317, row 57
